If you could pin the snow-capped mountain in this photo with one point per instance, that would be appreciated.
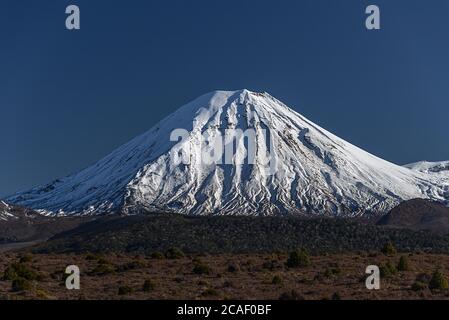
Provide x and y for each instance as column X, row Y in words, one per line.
column 313, row 171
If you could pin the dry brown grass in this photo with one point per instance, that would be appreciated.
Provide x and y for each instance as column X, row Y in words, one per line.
column 242, row 276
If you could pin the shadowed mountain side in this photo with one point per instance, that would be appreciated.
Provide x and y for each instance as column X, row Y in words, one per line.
column 419, row 214
column 18, row 224
column 227, row 234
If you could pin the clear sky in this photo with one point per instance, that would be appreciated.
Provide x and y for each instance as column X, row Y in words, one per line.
column 67, row 98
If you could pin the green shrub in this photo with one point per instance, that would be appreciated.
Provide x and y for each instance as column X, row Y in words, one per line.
column 291, row 295
column 336, row 296
column 418, row 286
column 332, row 271
column 157, row 255
column 178, row 279
column 203, row 283
column 41, row 294
column 135, row 264
column 276, row 280
column 298, row 259
column 228, row 284
column 26, row 258
column 148, row 285
column 233, row 267
column 403, row 264
column 210, row 292
column 21, row 284
column 387, row 270
column 270, row 265
column 201, row 268
column 19, row 270
column 103, row 269
column 9, row 274
column 389, row 249
column 102, row 260
column 174, row 253
column 90, row 256
column 124, row 290
column 438, row 281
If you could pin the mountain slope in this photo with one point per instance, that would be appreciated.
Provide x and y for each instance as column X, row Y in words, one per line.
column 419, row 214
column 313, row 171
column 18, row 224
column 5, row 211
column 439, row 167
column 10, row 212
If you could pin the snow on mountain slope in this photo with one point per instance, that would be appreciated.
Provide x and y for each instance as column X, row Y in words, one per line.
column 5, row 211
column 10, row 212
column 440, row 167
column 315, row 171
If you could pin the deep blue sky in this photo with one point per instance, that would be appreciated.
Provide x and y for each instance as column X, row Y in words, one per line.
column 69, row 98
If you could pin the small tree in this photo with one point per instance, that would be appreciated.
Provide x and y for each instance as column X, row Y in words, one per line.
column 174, row 253
column 233, row 267
column 298, row 259
column 387, row 270
column 276, row 280
column 201, row 268
column 389, row 249
column 124, row 290
column 26, row 258
column 148, row 285
column 21, row 284
column 336, row 296
column 157, row 255
column 403, row 264
column 438, row 281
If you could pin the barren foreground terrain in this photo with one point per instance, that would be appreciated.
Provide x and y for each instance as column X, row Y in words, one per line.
column 173, row 275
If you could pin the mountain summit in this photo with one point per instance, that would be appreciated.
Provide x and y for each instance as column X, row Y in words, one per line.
column 310, row 170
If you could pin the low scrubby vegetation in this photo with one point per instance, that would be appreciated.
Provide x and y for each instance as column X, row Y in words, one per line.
column 290, row 275
column 22, row 275
column 387, row 270
column 20, row 270
column 173, row 236
column 276, row 280
column 298, row 259
column 291, row 295
column 124, row 290
column 389, row 249
column 403, row 264
column 438, row 281
column 201, row 268
column 148, row 286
